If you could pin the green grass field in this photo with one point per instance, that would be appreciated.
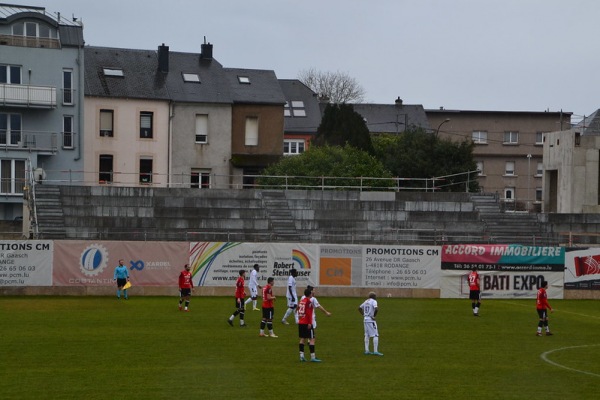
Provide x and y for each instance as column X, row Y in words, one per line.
column 143, row 348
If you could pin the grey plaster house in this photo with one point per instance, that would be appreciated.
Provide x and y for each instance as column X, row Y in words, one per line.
column 41, row 100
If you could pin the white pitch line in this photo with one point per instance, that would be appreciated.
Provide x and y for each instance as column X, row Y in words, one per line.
column 544, row 357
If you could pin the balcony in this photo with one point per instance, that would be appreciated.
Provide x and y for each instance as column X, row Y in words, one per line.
column 27, row 96
column 30, row 141
column 29, row 41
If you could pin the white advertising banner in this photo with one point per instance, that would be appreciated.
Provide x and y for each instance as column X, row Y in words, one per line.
column 219, row 263
column 406, row 267
column 26, row 263
column 507, row 271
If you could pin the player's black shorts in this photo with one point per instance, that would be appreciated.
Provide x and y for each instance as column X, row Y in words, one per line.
column 475, row 295
column 267, row 313
column 304, row 332
column 185, row 292
column 543, row 313
column 239, row 304
column 121, row 282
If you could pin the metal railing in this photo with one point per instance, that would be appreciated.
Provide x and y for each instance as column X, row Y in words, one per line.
column 27, row 95
column 250, row 181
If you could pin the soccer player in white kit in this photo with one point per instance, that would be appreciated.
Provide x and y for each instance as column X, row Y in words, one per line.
column 254, row 287
column 292, row 297
column 369, row 309
column 316, row 305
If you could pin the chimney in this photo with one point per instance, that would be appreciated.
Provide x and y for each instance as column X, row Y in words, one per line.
column 398, row 102
column 206, row 50
column 163, row 58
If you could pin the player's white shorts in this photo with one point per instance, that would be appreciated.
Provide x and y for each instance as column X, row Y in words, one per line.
column 371, row 329
column 253, row 292
column 292, row 303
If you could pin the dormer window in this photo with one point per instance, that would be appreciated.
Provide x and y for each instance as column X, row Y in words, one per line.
column 118, row 72
column 191, row 78
column 33, row 29
column 244, row 79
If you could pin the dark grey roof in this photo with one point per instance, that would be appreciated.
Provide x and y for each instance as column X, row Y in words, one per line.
column 294, row 90
column 263, row 87
column 213, row 86
column 392, row 118
column 141, row 79
column 590, row 125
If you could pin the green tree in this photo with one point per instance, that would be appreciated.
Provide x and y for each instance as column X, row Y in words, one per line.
column 418, row 154
column 332, row 166
column 341, row 125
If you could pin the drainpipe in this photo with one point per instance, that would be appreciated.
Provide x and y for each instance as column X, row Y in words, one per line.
column 80, row 104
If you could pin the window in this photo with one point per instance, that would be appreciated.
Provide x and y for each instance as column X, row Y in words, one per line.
column 251, row 131
column 146, row 121
column 296, row 109
column 511, row 137
column 509, row 168
column 480, row 168
column 105, row 168
column 68, row 131
column 202, row 128
column 540, row 137
column 10, row 129
column 115, row 72
column 509, row 193
column 32, row 29
column 145, row 170
column 67, row 86
column 538, row 194
column 244, row 79
column 194, row 78
column 12, row 176
column 479, row 137
column 540, row 169
column 200, row 179
column 293, row 147
column 10, row 74
column 106, row 123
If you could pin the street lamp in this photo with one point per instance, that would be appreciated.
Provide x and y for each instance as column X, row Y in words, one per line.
column 528, row 181
column 437, row 131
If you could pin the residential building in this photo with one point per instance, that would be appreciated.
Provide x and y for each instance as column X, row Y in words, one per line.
column 201, row 115
column 127, row 118
column 41, row 100
column 571, row 170
column 257, row 122
column 302, row 116
column 392, row 118
column 508, row 149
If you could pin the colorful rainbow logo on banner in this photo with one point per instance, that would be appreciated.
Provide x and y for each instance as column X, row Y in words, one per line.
column 301, row 258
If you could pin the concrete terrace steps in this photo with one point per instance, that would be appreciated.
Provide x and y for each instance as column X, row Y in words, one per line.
column 278, row 212
column 49, row 211
column 502, row 226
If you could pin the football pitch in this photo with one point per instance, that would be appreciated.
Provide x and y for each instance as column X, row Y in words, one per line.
column 144, row 348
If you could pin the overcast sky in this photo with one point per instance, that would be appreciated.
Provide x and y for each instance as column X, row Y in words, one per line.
column 510, row 55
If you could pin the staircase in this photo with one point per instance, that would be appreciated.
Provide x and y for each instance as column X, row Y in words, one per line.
column 507, row 227
column 280, row 217
column 50, row 217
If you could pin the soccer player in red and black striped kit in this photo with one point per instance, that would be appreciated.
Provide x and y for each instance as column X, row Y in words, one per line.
column 185, row 287
column 474, row 291
column 542, row 307
column 240, row 294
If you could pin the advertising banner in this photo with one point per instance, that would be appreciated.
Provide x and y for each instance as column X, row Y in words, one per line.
column 507, row 271
column 406, row 267
column 26, row 263
column 85, row 263
column 582, row 268
column 219, row 263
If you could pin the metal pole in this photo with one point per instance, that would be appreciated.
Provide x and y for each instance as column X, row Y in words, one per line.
column 528, row 181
